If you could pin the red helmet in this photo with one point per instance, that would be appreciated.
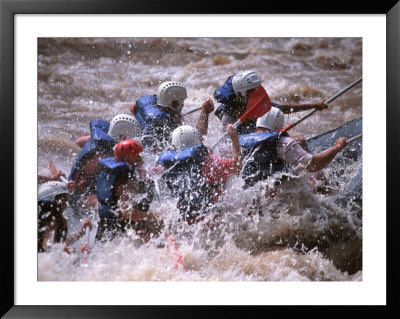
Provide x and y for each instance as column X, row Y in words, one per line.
column 127, row 151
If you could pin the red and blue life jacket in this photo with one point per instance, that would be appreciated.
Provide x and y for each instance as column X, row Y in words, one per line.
column 227, row 97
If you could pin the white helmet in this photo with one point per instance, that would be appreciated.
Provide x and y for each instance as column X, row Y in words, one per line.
column 48, row 191
column 185, row 136
column 273, row 120
column 123, row 124
column 171, row 91
column 245, row 81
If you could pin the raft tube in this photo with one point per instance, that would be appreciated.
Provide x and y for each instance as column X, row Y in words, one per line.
column 353, row 152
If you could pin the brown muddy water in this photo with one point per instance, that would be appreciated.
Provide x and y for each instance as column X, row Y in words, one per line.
column 301, row 236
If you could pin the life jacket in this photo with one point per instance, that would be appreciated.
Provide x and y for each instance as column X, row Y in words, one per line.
column 227, row 97
column 260, row 156
column 182, row 174
column 147, row 112
column 112, row 170
column 99, row 144
column 157, row 125
column 111, row 224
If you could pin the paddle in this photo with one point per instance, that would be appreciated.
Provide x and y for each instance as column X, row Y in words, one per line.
column 285, row 129
column 257, row 105
column 192, row 111
column 355, row 138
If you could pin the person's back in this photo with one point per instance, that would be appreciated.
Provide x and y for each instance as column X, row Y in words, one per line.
column 260, row 156
column 182, row 174
column 159, row 114
column 100, row 145
column 270, row 150
column 117, row 183
column 193, row 174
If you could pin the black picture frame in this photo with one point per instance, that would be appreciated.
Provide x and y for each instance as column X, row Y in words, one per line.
column 8, row 10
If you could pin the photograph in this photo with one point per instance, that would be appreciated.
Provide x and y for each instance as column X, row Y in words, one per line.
column 165, row 160
column 199, row 159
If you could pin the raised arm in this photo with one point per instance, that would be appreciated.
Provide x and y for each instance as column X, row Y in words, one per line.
column 82, row 231
column 206, row 108
column 236, row 152
column 292, row 108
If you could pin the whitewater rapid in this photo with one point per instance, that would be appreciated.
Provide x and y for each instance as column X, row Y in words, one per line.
column 299, row 236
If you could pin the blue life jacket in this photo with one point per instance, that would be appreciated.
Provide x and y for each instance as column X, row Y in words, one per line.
column 157, row 125
column 147, row 112
column 227, row 97
column 183, row 175
column 260, row 156
column 99, row 142
column 112, row 170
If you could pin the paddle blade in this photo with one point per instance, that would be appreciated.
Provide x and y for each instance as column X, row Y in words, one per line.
column 258, row 104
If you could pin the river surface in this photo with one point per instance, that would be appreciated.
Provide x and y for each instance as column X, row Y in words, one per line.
column 300, row 236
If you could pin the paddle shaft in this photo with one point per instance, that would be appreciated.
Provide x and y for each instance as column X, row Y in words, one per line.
column 326, row 102
column 343, row 91
column 192, row 111
column 355, row 138
column 235, row 125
